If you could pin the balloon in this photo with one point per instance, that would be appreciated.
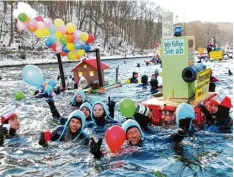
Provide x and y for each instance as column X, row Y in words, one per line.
column 48, row 22
column 39, row 33
column 52, row 29
column 63, row 40
column 32, row 75
column 18, row 95
column 86, row 47
column 62, row 29
column 46, row 32
column 84, row 37
column 52, row 38
column 64, row 49
column 70, row 38
column 70, row 46
column 127, row 107
column 115, row 137
column 78, row 45
column 23, row 6
column 58, row 35
column 90, row 39
column 58, row 48
column 77, row 35
column 63, row 54
column 70, row 27
column 22, row 17
column 71, row 56
column 32, row 29
column 39, row 19
column 80, row 52
column 32, row 24
column 58, row 22
column 48, row 43
column 20, row 26
column 40, row 25
column 53, row 47
column 31, row 13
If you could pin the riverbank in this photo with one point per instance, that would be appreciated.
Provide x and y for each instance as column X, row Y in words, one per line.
column 15, row 63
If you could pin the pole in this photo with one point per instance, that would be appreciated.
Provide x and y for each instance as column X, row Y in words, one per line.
column 100, row 78
column 117, row 73
column 61, row 70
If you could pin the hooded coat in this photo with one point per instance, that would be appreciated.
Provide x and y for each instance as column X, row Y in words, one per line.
column 74, row 102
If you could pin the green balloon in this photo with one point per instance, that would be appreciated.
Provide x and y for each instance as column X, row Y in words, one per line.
column 18, row 95
column 63, row 40
column 22, row 17
column 127, row 107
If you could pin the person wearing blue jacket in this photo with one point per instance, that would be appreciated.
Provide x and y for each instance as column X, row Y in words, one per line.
column 73, row 130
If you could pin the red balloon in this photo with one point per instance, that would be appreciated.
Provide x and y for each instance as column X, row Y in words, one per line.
column 39, row 18
column 115, row 137
column 70, row 38
column 63, row 54
column 53, row 47
column 90, row 39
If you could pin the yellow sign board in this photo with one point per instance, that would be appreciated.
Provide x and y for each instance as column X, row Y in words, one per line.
column 216, row 55
column 202, row 84
column 201, row 50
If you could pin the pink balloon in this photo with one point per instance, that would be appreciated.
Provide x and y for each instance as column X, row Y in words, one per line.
column 21, row 26
column 62, row 29
column 58, row 48
column 39, row 19
column 40, row 25
column 48, row 22
column 32, row 24
column 77, row 36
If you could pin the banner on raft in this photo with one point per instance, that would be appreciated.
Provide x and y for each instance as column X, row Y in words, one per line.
column 216, row 55
column 202, row 84
column 173, row 47
column 167, row 25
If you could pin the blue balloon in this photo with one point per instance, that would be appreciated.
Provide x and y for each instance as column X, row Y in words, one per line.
column 32, row 75
column 52, row 83
column 48, row 89
column 86, row 47
column 64, row 49
column 52, row 30
column 78, row 45
column 48, row 43
column 52, row 38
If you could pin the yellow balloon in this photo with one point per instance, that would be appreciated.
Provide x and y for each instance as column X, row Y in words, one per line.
column 70, row 46
column 84, row 36
column 80, row 52
column 70, row 27
column 39, row 33
column 127, row 81
column 58, row 22
column 58, row 35
column 71, row 56
column 46, row 32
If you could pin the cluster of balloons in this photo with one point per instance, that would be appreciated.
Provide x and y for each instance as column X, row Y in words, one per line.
column 115, row 137
column 61, row 38
column 127, row 107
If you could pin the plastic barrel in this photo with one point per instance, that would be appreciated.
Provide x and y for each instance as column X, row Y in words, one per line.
column 189, row 74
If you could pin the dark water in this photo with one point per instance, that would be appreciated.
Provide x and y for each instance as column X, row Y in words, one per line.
column 207, row 155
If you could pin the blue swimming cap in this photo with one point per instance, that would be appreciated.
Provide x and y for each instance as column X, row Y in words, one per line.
column 132, row 123
column 184, row 110
column 87, row 105
column 81, row 93
column 75, row 114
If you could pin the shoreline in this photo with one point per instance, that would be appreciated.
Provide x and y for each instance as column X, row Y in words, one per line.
column 41, row 62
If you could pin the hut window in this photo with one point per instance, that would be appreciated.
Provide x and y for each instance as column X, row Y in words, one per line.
column 80, row 74
column 85, row 66
column 91, row 73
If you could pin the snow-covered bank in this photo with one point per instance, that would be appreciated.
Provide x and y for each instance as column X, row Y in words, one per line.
column 11, row 62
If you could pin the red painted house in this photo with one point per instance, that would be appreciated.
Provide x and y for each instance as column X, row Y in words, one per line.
column 89, row 70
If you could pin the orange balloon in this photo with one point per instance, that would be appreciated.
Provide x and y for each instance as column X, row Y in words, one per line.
column 70, row 38
column 32, row 29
